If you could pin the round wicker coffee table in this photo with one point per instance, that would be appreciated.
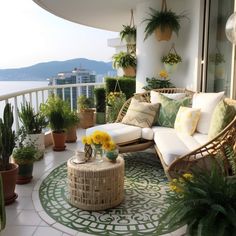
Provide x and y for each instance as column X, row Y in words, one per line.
column 96, row 186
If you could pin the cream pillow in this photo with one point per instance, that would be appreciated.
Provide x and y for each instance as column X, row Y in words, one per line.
column 140, row 114
column 207, row 103
column 154, row 96
column 186, row 120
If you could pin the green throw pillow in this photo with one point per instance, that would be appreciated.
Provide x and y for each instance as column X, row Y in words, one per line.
column 221, row 117
column 169, row 109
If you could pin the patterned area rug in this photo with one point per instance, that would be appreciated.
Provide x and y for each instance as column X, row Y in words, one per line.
column 145, row 187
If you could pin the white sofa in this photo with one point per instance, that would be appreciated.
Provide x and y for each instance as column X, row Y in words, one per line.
column 176, row 150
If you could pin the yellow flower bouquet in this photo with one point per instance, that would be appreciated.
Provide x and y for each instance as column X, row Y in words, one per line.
column 100, row 142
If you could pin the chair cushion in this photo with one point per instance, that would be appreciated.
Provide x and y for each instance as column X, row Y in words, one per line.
column 207, row 103
column 168, row 110
column 120, row 133
column 147, row 133
column 140, row 114
column 186, row 120
column 221, row 117
column 172, row 144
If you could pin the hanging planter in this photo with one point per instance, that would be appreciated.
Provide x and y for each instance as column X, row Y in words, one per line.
column 171, row 60
column 128, row 34
column 163, row 23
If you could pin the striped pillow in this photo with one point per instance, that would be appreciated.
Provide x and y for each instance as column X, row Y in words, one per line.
column 140, row 114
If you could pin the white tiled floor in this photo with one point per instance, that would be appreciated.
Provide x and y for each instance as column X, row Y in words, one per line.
column 22, row 217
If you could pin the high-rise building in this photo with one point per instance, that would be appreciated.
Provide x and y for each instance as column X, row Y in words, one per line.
column 77, row 76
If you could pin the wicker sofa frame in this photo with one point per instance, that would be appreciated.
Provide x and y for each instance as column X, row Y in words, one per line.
column 202, row 156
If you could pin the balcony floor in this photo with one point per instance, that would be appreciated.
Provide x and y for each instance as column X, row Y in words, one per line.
column 22, row 217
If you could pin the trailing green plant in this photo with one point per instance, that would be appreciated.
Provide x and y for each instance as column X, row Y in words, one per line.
column 205, row 202
column 33, row 122
column 84, row 103
column 154, row 83
column 56, row 110
column 128, row 32
column 100, row 99
column 162, row 19
column 124, row 60
column 171, row 58
column 7, row 137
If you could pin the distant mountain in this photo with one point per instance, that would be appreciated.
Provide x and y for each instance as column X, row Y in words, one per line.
column 45, row 70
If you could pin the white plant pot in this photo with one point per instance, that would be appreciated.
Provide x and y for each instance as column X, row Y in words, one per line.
column 38, row 141
column 170, row 68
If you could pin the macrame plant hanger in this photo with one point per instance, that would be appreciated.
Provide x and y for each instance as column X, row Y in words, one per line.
column 173, row 50
column 163, row 5
column 131, row 47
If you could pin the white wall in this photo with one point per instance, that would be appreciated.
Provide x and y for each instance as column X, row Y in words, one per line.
column 188, row 44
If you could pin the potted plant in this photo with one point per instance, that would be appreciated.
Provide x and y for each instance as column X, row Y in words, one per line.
column 72, row 122
column 86, row 112
column 127, row 61
column 171, row 60
column 128, row 33
column 204, row 201
column 8, row 170
column 33, row 124
column 162, row 23
column 2, row 207
column 161, row 82
column 56, row 110
column 100, row 102
column 24, row 155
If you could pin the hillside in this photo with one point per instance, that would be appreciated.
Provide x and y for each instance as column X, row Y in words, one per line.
column 45, row 70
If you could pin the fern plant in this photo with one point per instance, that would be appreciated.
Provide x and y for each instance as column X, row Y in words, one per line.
column 206, row 204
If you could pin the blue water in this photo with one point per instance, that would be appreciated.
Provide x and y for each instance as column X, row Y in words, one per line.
column 14, row 86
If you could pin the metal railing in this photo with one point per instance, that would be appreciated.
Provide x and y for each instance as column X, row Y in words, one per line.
column 36, row 96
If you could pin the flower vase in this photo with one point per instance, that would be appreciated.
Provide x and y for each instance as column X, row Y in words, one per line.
column 88, row 151
column 112, row 155
column 98, row 153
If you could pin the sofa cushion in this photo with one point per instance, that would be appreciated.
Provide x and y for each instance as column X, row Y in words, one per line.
column 207, row 103
column 168, row 110
column 147, row 133
column 140, row 114
column 221, row 117
column 172, row 144
column 120, row 133
column 175, row 96
column 186, row 120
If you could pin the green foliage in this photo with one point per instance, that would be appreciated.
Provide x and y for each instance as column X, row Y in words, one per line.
column 217, row 58
column 205, row 203
column 72, row 119
column 127, row 85
column 162, row 19
column 171, row 58
column 2, row 207
column 33, row 122
column 124, row 60
column 127, row 32
column 153, row 83
column 100, row 99
column 7, row 136
column 84, row 103
column 56, row 110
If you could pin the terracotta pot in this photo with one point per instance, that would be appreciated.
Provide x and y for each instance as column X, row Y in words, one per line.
column 164, row 34
column 25, row 173
column 71, row 136
column 58, row 141
column 9, row 183
column 129, row 71
column 86, row 118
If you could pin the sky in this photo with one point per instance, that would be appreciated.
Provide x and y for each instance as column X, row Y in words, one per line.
column 31, row 35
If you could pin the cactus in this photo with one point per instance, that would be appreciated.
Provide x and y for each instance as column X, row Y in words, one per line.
column 7, row 136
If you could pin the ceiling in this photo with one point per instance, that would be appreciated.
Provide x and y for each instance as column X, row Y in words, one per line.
column 103, row 14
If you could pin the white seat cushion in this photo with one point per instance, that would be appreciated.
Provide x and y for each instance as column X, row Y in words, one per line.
column 201, row 138
column 172, row 144
column 120, row 133
column 147, row 133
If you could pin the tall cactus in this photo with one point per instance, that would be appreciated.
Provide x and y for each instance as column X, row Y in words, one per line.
column 7, row 137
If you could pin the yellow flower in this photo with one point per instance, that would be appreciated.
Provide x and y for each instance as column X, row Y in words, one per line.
column 188, row 176
column 175, row 187
column 163, row 74
column 109, row 146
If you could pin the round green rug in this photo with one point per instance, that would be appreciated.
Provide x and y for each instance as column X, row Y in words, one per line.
column 145, row 187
